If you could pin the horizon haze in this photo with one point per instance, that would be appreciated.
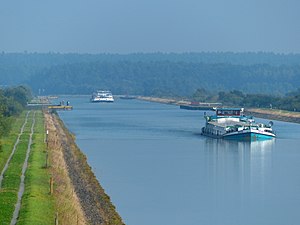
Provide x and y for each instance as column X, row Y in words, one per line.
column 150, row 26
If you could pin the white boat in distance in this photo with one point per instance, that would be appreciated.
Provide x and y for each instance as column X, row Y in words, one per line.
column 102, row 96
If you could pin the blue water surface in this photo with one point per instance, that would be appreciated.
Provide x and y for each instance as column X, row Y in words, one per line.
column 158, row 170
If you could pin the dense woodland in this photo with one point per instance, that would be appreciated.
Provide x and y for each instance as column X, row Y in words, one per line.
column 13, row 100
column 152, row 74
column 165, row 78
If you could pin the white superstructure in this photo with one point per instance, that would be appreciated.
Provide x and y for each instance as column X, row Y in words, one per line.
column 102, row 96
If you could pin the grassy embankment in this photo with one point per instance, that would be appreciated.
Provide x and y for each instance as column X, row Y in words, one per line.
column 66, row 201
column 275, row 114
column 37, row 205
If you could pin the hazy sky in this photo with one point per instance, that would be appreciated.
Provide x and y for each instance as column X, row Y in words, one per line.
column 126, row 26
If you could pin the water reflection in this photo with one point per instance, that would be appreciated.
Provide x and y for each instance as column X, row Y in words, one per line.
column 238, row 172
column 229, row 145
column 247, row 159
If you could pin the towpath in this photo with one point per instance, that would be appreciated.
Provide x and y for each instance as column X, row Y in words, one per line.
column 22, row 183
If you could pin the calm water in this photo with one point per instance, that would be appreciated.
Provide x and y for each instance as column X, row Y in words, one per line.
column 158, row 169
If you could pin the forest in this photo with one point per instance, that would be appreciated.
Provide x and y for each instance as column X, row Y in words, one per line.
column 164, row 78
column 165, row 74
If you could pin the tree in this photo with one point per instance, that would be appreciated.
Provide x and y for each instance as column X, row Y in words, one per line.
column 201, row 95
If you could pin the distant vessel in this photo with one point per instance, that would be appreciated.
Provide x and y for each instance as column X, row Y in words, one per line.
column 102, row 96
column 127, row 97
column 200, row 106
column 230, row 123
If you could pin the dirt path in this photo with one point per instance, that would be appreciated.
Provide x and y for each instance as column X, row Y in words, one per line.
column 24, row 168
column 14, row 149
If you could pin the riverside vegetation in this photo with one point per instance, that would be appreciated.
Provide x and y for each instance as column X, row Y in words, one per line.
column 288, row 102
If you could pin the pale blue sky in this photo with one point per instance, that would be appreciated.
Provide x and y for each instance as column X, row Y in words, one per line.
column 126, row 26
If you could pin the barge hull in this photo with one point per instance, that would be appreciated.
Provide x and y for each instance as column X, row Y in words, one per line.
column 249, row 136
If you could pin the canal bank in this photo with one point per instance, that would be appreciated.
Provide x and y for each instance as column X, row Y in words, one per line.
column 272, row 114
column 80, row 197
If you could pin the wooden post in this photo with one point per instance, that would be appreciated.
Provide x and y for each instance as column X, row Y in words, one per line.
column 47, row 136
column 56, row 218
column 46, row 160
column 51, row 185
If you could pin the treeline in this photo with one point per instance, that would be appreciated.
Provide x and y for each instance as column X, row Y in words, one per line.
column 290, row 101
column 159, row 74
column 165, row 78
column 19, row 68
column 13, row 100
